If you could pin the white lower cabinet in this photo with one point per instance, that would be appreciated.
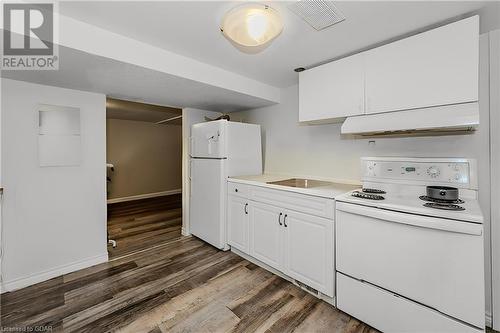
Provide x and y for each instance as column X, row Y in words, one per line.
column 266, row 237
column 297, row 244
column 309, row 249
column 237, row 226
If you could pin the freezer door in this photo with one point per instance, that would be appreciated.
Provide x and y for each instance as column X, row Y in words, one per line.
column 244, row 150
column 207, row 202
column 208, row 140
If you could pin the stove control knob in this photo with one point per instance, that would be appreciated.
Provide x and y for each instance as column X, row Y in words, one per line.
column 371, row 170
column 433, row 171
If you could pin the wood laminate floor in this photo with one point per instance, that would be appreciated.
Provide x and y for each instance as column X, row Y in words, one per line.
column 142, row 224
column 183, row 285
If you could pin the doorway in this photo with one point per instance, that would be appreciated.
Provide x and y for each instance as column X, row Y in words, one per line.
column 144, row 176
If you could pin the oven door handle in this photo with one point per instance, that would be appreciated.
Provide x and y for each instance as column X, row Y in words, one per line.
column 412, row 219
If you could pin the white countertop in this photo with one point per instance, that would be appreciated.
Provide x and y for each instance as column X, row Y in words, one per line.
column 413, row 205
column 328, row 191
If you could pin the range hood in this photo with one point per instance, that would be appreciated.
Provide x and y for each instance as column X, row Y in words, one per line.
column 456, row 117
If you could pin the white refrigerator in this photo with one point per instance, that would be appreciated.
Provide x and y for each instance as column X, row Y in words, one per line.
column 219, row 149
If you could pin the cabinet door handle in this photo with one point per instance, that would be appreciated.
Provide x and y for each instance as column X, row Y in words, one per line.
column 246, row 210
column 279, row 219
column 284, row 221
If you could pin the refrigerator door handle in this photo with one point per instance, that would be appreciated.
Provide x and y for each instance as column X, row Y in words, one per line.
column 189, row 177
column 190, row 171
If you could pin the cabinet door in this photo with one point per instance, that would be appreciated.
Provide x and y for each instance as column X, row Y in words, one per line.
column 333, row 90
column 437, row 67
column 309, row 250
column 237, row 222
column 266, row 234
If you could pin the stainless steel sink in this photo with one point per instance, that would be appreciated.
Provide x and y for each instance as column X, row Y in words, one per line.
column 299, row 182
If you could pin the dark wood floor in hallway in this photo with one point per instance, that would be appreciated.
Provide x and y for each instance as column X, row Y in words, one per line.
column 142, row 224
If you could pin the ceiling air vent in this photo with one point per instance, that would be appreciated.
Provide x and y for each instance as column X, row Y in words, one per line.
column 318, row 14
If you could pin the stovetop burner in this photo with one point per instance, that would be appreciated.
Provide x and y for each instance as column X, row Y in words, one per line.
column 447, row 202
column 365, row 195
column 373, row 191
column 444, row 206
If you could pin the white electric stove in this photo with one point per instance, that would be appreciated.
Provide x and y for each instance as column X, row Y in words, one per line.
column 407, row 264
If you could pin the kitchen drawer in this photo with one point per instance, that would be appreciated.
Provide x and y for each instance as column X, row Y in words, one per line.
column 388, row 312
column 237, row 189
column 303, row 203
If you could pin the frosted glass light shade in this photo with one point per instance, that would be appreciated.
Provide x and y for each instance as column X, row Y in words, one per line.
column 251, row 27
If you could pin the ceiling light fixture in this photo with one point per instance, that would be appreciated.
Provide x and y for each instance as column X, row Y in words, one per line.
column 251, row 27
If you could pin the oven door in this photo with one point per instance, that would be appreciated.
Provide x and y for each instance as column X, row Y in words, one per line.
column 436, row 262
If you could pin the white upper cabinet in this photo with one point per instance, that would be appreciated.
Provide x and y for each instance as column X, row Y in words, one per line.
column 334, row 90
column 437, row 67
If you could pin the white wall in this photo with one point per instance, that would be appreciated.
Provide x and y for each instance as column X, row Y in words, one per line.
column 147, row 158
column 321, row 151
column 54, row 217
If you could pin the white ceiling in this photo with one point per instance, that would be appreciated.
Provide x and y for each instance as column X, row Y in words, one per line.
column 191, row 28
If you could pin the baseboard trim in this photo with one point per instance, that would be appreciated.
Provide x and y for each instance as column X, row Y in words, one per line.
column 144, row 196
column 320, row 295
column 52, row 273
column 488, row 319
